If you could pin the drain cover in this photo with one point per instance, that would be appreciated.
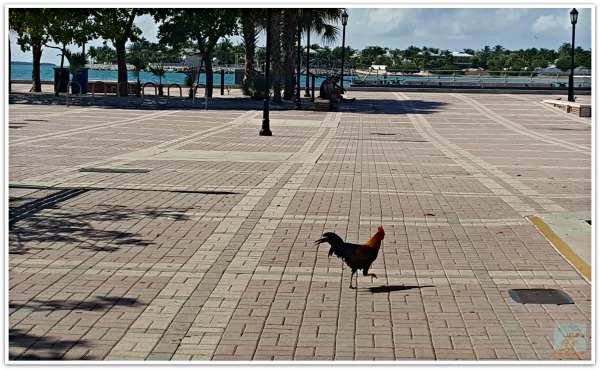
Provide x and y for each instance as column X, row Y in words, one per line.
column 114, row 170
column 540, row 296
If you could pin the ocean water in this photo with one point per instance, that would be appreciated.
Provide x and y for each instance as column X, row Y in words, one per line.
column 23, row 72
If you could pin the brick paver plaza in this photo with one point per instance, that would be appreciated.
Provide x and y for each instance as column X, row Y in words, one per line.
column 180, row 234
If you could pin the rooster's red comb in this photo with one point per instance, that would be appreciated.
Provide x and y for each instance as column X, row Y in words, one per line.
column 380, row 229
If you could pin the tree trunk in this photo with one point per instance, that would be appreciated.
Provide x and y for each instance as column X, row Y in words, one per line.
column 249, row 31
column 9, row 68
column 289, row 53
column 276, row 54
column 121, row 68
column 60, row 71
column 37, row 57
column 209, row 73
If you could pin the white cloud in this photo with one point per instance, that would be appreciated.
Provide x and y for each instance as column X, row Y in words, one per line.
column 509, row 16
column 550, row 24
column 148, row 27
column 383, row 21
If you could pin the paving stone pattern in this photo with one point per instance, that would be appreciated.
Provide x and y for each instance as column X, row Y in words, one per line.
column 207, row 254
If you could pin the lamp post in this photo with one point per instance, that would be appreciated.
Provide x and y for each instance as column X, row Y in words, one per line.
column 265, row 130
column 307, row 92
column 299, row 20
column 574, row 14
column 344, row 23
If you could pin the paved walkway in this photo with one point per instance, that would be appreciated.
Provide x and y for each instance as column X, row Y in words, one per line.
column 180, row 234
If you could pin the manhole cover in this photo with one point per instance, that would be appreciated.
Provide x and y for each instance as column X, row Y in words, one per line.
column 114, row 170
column 540, row 296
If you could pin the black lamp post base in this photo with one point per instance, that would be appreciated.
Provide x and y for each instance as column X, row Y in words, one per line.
column 265, row 132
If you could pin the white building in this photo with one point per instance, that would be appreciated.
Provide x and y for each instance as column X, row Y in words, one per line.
column 462, row 60
column 192, row 59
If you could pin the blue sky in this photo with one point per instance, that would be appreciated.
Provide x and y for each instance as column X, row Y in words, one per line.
column 441, row 26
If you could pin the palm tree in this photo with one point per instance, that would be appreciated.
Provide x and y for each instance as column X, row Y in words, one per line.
column 276, row 53
column 251, row 24
column 447, row 57
column 159, row 71
column 320, row 23
column 288, row 44
column 223, row 51
column 139, row 62
column 189, row 80
column 76, row 62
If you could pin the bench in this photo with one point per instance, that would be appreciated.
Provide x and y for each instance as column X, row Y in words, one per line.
column 322, row 104
column 579, row 109
column 99, row 87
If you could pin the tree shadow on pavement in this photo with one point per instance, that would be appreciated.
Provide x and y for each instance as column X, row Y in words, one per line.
column 391, row 106
column 364, row 106
column 42, row 220
column 38, row 347
column 97, row 303
column 26, row 345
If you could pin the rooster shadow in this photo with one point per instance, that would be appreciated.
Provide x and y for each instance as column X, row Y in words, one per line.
column 396, row 288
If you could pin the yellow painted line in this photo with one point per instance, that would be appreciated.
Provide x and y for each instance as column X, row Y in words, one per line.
column 562, row 247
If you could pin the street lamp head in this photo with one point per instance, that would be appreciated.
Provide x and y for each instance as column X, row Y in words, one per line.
column 574, row 14
column 344, row 18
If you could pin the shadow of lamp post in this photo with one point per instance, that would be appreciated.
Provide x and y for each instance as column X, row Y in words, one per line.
column 265, row 130
column 344, row 23
column 299, row 20
column 574, row 14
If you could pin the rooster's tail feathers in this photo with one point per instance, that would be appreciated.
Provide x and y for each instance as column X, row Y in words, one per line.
column 332, row 238
column 338, row 246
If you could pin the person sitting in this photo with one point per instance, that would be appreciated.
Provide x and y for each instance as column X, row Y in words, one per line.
column 338, row 90
column 327, row 91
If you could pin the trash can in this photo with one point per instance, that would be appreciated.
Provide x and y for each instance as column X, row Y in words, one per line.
column 81, row 77
column 64, row 82
column 238, row 76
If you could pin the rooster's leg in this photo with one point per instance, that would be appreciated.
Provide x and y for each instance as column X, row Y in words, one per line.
column 373, row 276
column 351, row 276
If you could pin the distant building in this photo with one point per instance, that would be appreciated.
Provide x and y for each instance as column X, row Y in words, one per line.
column 462, row 60
column 192, row 59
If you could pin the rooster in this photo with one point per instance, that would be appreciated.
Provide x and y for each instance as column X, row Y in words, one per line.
column 356, row 256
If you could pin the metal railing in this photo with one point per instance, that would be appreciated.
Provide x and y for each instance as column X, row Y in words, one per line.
column 69, row 90
column 450, row 77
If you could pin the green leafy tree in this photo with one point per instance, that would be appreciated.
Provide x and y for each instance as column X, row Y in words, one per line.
column 105, row 54
column 31, row 27
column 117, row 26
column 224, row 52
column 583, row 58
column 69, row 26
column 201, row 27
column 563, row 63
